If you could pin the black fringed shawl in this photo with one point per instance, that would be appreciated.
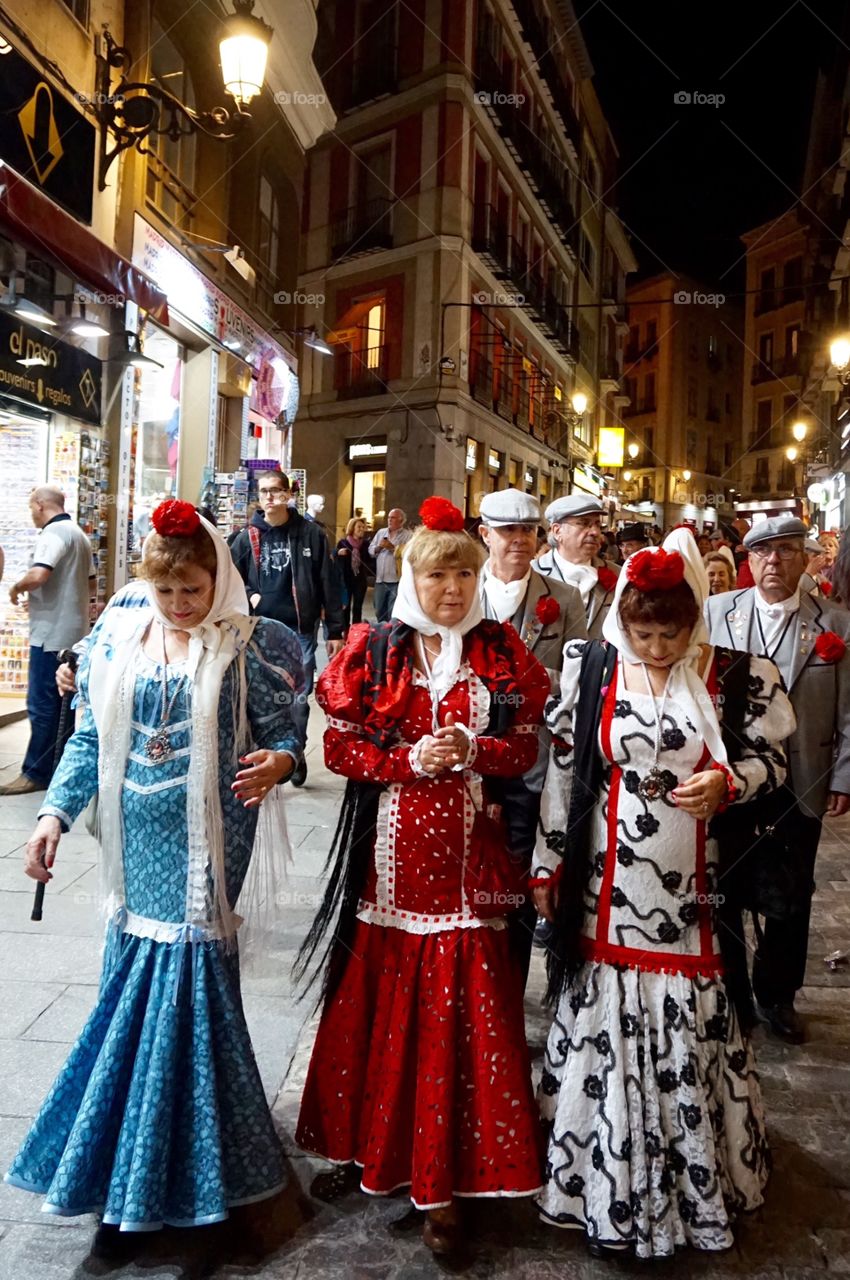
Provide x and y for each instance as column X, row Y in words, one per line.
column 387, row 684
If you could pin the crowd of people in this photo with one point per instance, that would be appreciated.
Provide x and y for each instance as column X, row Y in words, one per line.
column 540, row 743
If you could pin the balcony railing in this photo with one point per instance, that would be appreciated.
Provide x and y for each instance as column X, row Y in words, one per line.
column 767, row 300
column 759, row 484
column 490, row 239
column 363, row 228
column 361, row 373
column 782, row 367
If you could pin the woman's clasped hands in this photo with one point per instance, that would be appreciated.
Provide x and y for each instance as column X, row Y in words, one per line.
column 445, row 748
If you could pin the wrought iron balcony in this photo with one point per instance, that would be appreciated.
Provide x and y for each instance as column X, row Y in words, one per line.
column 361, row 373
column 363, row 228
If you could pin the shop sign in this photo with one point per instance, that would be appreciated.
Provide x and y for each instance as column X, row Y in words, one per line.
column 494, row 460
column 586, row 481
column 611, row 446
column 364, row 450
column 44, row 137
column 471, row 453
column 48, row 373
column 200, row 300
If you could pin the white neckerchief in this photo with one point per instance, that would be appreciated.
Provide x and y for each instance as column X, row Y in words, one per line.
column 774, row 616
column 504, row 597
column 583, row 576
column 444, row 673
column 684, row 684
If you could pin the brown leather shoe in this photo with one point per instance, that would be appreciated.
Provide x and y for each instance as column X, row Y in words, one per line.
column 441, row 1232
column 22, row 786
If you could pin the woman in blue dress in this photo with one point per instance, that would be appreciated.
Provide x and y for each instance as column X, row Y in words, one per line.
column 159, row 1116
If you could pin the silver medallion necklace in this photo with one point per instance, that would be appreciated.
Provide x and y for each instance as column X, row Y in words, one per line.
column 654, row 785
column 158, row 746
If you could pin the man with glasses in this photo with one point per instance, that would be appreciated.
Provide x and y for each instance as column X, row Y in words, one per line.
column 575, row 538
column 385, row 550
column 807, row 639
column 285, row 563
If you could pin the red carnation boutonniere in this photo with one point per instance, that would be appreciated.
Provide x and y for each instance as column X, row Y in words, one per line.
column 830, row 647
column 547, row 610
column 826, row 587
column 607, row 578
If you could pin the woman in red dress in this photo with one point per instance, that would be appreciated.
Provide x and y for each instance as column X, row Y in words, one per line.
column 420, row 1072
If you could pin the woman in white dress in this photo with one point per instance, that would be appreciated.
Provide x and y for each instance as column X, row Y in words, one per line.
column 657, row 1129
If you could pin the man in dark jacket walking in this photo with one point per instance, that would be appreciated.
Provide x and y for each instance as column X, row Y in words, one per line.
column 286, row 565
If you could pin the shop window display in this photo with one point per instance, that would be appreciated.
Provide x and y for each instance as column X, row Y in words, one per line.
column 157, row 434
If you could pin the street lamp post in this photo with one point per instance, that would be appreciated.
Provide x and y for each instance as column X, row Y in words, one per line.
column 132, row 110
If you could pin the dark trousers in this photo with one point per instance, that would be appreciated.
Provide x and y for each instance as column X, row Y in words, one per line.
column 44, row 705
column 779, row 967
column 352, row 610
column 521, row 810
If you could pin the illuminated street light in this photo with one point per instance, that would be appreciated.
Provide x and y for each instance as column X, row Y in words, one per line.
column 633, row 449
column 798, row 431
column 791, row 453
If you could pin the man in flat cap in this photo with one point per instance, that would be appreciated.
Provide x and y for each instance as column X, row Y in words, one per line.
column 547, row 613
column 632, row 537
column 575, row 538
column 807, row 639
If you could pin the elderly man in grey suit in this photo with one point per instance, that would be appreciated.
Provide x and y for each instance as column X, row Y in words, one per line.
column 808, row 642
column 575, row 537
column 547, row 613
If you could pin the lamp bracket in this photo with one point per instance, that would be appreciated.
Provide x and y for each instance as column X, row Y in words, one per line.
column 132, row 110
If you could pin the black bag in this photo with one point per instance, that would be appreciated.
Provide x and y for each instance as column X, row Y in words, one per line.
column 761, row 869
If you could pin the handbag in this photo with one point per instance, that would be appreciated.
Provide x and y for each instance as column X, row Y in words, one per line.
column 494, row 882
column 761, row 870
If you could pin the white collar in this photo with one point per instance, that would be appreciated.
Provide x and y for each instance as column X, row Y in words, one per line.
column 778, row 608
column 505, row 597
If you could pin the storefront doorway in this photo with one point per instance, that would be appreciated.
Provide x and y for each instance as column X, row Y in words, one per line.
column 157, row 414
column 369, row 497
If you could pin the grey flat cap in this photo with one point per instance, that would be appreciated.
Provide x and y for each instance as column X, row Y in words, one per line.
column 813, row 547
column 574, row 504
column 509, row 506
column 775, row 527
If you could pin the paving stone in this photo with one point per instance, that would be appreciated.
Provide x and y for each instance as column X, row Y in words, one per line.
column 27, row 1069
column 63, row 1021
column 22, row 1002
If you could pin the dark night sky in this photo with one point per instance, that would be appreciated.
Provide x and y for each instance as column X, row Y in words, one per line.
column 719, row 170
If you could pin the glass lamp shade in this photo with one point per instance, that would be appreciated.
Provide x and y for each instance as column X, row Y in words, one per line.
column 633, row 450
column 686, row 475
column 579, row 401
column 798, row 431
column 244, row 49
column 791, row 453
column 839, row 352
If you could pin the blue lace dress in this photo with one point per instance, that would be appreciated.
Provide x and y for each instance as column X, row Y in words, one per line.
column 159, row 1115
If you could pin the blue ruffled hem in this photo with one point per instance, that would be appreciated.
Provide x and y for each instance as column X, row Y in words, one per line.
column 159, row 1114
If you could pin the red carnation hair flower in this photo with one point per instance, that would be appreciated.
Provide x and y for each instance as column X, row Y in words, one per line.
column 655, row 570
column 175, row 519
column 439, row 513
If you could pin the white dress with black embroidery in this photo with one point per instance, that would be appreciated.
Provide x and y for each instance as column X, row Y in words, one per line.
column 657, row 1124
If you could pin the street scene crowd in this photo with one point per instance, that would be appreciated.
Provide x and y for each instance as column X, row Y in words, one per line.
column 607, row 751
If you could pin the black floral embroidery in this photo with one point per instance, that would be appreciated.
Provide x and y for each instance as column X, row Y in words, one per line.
column 687, row 1208
column 597, row 1159
column 689, row 913
column 574, row 1185
column 688, row 1074
column 671, row 881
column 738, row 1061
column 549, row 1084
column 625, row 855
column 603, row 1043
column 700, row 1176
column 647, row 824
column 599, row 863
column 629, row 1024
column 618, row 898
column 620, row 1211
column 621, row 709
column 672, row 1012
column 594, row 1087
column 669, row 932
column 631, row 780
column 715, row 1027
column 652, row 1144
column 692, row 1116
column 672, row 739
column 676, row 1160
column 668, row 1080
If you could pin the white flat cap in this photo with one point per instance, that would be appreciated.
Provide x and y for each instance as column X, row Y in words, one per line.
column 509, row 506
column 574, row 504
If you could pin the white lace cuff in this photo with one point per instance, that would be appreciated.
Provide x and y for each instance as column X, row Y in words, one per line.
column 414, row 761
column 471, row 751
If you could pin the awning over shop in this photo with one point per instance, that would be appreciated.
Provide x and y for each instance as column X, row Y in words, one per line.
column 345, row 329
column 46, row 230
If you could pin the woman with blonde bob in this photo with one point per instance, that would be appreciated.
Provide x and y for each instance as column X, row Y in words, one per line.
column 159, row 1114
column 419, row 1074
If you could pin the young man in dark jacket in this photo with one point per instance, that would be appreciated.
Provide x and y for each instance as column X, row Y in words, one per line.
column 285, row 563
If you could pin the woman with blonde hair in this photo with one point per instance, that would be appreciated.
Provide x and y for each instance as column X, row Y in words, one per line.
column 720, row 568
column 419, row 1074
column 356, row 565
column 159, row 1114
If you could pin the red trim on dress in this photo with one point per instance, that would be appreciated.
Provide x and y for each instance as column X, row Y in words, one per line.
column 603, row 916
column 652, row 961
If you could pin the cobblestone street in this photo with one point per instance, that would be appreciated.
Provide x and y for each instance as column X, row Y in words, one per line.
column 48, row 976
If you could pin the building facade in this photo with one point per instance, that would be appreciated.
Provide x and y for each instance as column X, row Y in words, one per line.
column 682, row 376
column 460, row 258
column 146, row 299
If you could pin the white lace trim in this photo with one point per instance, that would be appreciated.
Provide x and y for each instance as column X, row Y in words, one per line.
column 148, row 729
column 416, row 922
column 344, row 726
column 153, row 764
column 170, row 931
column 51, row 811
column 150, row 789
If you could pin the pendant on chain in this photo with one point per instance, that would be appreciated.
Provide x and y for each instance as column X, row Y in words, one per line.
column 158, row 746
column 655, row 786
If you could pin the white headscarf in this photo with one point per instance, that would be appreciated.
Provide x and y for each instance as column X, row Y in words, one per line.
column 220, row 639
column 684, row 684
column 444, row 672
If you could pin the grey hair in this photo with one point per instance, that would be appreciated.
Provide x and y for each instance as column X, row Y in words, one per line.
column 50, row 494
